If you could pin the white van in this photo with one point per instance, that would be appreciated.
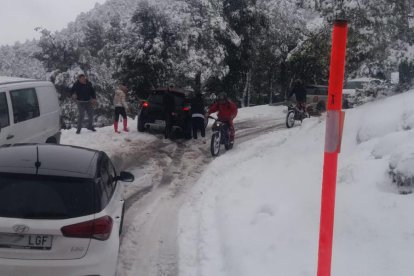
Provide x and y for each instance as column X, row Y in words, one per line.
column 29, row 111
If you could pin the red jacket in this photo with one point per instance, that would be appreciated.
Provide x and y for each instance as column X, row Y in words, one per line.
column 226, row 111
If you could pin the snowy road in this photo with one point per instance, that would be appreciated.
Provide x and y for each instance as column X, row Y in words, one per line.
column 169, row 169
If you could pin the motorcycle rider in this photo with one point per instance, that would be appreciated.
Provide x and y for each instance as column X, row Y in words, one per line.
column 227, row 111
column 300, row 94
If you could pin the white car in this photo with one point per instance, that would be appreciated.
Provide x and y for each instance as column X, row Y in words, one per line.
column 61, row 211
column 29, row 111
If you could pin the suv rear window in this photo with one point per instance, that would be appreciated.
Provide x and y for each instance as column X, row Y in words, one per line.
column 157, row 98
column 45, row 197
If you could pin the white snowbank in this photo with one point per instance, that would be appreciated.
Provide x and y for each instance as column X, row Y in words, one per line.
column 256, row 209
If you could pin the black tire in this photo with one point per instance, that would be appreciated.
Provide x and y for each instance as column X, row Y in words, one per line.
column 51, row 140
column 141, row 124
column 167, row 132
column 121, row 224
column 290, row 119
column 228, row 146
column 321, row 106
column 215, row 144
column 187, row 129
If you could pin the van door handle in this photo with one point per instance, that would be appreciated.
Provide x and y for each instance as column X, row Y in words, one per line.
column 9, row 136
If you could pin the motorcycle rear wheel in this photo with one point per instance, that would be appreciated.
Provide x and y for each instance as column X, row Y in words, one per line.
column 290, row 119
column 215, row 144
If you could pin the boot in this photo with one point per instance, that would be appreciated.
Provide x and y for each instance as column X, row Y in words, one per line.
column 116, row 127
column 125, row 125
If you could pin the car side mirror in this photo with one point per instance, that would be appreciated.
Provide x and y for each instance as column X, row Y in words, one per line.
column 125, row 177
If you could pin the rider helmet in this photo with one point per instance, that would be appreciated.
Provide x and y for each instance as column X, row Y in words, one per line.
column 222, row 97
column 297, row 82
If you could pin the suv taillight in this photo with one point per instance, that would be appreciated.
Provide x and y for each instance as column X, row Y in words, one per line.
column 145, row 104
column 99, row 229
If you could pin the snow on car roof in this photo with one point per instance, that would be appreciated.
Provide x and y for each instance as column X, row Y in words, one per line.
column 364, row 79
column 7, row 80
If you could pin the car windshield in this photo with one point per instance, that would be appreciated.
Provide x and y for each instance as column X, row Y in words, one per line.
column 45, row 197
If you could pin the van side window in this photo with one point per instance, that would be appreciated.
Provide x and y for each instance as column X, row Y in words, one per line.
column 4, row 111
column 25, row 104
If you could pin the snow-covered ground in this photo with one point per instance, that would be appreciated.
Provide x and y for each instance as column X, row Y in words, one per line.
column 164, row 173
column 256, row 210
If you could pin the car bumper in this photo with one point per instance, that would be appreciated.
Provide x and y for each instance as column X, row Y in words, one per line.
column 101, row 261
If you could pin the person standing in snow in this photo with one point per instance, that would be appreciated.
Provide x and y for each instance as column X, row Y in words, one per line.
column 197, row 116
column 168, row 103
column 84, row 95
column 227, row 111
column 121, row 106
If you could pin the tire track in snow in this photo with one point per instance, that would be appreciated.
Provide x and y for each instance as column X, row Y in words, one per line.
column 149, row 242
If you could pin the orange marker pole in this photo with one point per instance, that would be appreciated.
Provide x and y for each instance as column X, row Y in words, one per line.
column 333, row 135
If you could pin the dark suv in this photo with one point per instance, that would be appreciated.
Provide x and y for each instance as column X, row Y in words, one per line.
column 168, row 107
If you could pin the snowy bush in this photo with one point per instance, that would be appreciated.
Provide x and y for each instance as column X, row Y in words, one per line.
column 249, row 49
column 372, row 92
column 402, row 168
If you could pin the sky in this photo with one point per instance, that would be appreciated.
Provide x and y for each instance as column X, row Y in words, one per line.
column 19, row 18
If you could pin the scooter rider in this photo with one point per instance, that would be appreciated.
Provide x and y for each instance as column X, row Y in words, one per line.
column 227, row 111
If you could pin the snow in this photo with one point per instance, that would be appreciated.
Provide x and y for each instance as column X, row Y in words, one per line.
column 256, row 209
column 119, row 147
column 4, row 79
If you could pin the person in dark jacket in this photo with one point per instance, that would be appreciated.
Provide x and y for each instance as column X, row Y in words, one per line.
column 197, row 116
column 168, row 103
column 84, row 95
column 300, row 94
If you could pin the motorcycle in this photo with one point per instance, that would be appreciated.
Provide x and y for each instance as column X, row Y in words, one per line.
column 220, row 136
column 295, row 114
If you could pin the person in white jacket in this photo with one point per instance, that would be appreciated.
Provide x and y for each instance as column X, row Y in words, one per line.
column 121, row 106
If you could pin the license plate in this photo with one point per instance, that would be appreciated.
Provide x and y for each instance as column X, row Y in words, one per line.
column 41, row 242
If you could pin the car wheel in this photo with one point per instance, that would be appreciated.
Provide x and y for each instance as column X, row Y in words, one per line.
column 141, row 124
column 51, row 140
column 167, row 132
column 187, row 129
column 321, row 106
